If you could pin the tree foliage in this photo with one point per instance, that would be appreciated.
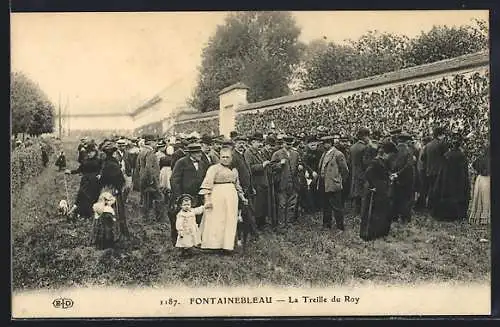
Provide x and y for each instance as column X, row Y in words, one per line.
column 376, row 53
column 31, row 110
column 443, row 42
column 259, row 49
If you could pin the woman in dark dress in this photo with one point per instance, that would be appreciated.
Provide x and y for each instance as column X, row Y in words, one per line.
column 452, row 186
column 111, row 178
column 88, row 193
column 375, row 212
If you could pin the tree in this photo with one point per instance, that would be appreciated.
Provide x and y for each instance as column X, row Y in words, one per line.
column 42, row 120
column 376, row 53
column 444, row 42
column 330, row 65
column 259, row 49
column 31, row 111
column 381, row 52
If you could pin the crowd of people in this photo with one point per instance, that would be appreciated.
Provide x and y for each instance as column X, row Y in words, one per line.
column 459, row 103
column 220, row 192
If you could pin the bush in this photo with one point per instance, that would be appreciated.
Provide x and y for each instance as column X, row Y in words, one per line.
column 26, row 163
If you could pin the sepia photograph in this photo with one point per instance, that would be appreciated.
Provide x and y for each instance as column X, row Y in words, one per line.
column 250, row 163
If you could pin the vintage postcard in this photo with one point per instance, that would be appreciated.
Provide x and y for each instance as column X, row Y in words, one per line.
column 250, row 164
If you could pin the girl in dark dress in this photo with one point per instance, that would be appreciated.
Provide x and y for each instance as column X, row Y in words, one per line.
column 452, row 187
column 375, row 212
column 103, row 236
column 88, row 193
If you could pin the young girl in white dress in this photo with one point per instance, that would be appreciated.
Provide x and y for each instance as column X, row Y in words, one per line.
column 188, row 234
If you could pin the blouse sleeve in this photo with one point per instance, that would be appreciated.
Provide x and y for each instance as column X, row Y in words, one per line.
column 208, row 181
column 198, row 210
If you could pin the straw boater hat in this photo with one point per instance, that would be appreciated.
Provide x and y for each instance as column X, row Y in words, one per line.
column 193, row 147
column 327, row 139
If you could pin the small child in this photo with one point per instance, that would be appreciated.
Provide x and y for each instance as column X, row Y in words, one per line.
column 61, row 161
column 104, row 215
column 188, row 234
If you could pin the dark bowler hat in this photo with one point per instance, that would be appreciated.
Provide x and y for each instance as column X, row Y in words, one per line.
column 240, row 138
column 257, row 137
column 389, row 147
column 271, row 140
column 404, row 137
column 193, row 147
column 149, row 138
column 288, row 139
column 206, row 139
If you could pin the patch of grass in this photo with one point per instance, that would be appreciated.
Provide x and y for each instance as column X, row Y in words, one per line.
column 48, row 252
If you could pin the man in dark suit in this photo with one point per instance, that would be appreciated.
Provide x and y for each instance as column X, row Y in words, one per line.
column 244, row 175
column 242, row 166
column 357, row 154
column 288, row 185
column 187, row 176
column 402, row 166
column 258, row 164
column 179, row 152
column 432, row 159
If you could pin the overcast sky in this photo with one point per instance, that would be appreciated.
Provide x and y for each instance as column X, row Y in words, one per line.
column 115, row 61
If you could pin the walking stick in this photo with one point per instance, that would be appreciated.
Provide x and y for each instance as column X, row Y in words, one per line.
column 66, row 189
column 370, row 207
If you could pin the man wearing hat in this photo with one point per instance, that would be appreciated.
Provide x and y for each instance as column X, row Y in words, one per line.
column 258, row 167
column 187, row 176
column 208, row 154
column 432, row 160
column 288, row 184
column 149, row 174
column 358, row 166
column 333, row 174
column 122, row 155
column 311, row 160
column 241, row 165
column 180, row 151
column 402, row 166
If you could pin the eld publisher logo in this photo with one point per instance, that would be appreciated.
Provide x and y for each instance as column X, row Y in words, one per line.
column 62, row 303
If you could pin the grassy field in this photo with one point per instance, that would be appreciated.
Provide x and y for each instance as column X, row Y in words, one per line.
column 49, row 252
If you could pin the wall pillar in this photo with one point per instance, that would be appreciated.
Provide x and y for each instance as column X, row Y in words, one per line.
column 230, row 99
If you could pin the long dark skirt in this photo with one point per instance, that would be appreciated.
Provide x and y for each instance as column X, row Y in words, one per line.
column 87, row 195
column 375, row 223
column 103, row 236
